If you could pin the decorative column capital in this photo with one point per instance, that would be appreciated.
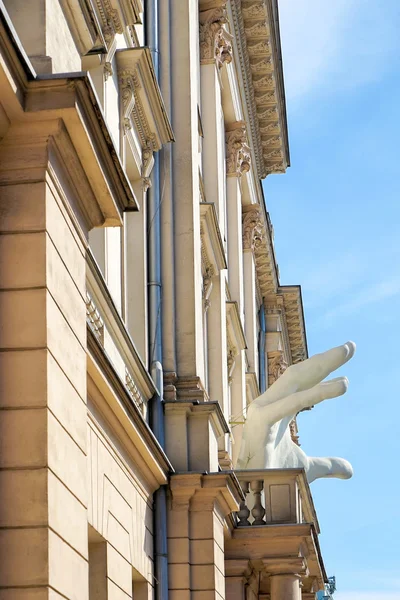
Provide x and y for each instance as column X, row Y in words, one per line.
column 237, row 151
column 276, row 365
column 286, row 567
column 215, row 40
column 252, row 227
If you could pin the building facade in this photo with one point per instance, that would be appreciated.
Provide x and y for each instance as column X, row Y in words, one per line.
column 141, row 308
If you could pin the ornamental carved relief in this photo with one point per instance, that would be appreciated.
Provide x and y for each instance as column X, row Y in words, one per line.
column 237, row 151
column 276, row 366
column 127, row 87
column 252, row 227
column 215, row 40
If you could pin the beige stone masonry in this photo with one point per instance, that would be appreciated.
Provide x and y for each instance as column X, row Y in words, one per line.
column 43, row 382
column 199, row 507
column 192, row 431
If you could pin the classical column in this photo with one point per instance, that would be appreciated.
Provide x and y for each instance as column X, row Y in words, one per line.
column 237, row 163
column 285, row 576
column 217, row 350
column 252, row 233
column 135, row 273
column 285, row 587
column 185, row 168
column 215, row 50
column 43, row 422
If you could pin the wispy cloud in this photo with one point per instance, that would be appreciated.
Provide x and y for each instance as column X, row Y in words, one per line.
column 359, row 299
column 333, row 277
column 336, row 44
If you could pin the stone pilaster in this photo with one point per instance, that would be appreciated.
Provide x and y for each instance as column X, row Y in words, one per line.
column 188, row 314
column 252, row 235
column 237, row 163
column 198, row 509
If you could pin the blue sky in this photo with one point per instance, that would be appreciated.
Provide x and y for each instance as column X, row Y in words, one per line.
column 336, row 214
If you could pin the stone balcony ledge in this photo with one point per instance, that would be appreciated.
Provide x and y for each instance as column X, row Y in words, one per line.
column 276, row 528
column 276, row 496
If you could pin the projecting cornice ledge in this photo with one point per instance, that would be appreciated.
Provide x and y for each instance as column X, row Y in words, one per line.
column 294, row 313
column 257, row 39
column 288, row 303
column 141, row 97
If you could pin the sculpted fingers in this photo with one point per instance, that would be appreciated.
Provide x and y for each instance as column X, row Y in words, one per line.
column 325, row 390
column 294, row 403
column 328, row 467
column 313, row 370
column 307, row 374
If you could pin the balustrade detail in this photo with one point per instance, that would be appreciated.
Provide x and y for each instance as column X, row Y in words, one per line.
column 275, row 496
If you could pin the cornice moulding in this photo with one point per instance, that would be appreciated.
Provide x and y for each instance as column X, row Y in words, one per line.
column 30, row 99
column 94, row 23
column 257, row 40
column 294, row 314
column 141, row 93
column 112, row 389
column 198, row 408
column 204, row 491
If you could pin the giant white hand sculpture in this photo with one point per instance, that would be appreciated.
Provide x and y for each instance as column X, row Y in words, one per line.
column 266, row 441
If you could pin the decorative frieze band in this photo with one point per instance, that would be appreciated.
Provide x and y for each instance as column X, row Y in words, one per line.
column 215, row 40
column 237, row 151
column 252, row 227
